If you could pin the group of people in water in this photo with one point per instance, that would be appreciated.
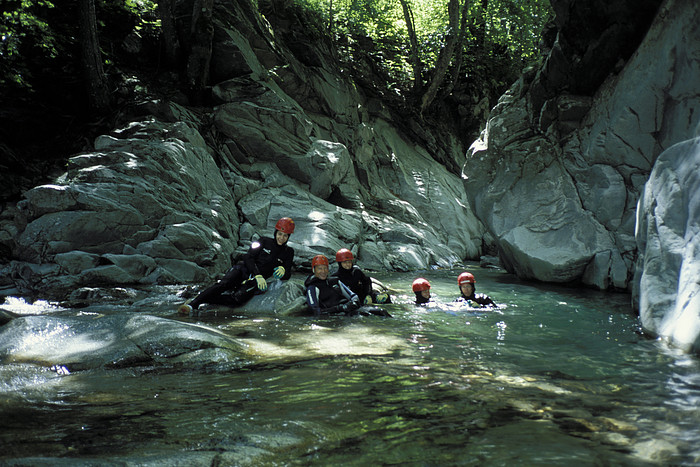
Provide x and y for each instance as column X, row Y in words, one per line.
column 467, row 287
column 347, row 291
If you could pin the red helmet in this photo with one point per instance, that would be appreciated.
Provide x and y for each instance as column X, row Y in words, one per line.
column 343, row 255
column 319, row 259
column 466, row 278
column 286, row 225
column 420, row 285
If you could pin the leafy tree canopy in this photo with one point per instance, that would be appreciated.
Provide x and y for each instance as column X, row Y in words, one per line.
column 500, row 39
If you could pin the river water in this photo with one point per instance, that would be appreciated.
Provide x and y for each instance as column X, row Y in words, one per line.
column 557, row 376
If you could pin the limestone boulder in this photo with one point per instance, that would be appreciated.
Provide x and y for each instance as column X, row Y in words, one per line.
column 667, row 290
column 298, row 127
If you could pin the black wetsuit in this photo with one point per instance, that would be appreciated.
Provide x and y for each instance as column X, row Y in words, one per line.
column 478, row 298
column 420, row 299
column 356, row 280
column 330, row 296
column 236, row 287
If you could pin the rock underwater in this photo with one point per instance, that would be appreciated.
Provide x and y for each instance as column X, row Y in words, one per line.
column 114, row 341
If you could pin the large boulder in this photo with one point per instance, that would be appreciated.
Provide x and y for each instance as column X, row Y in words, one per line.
column 364, row 186
column 556, row 176
column 292, row 124
column 114, row 341
column 667, row 290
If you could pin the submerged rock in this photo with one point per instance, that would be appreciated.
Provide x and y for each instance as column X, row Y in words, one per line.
column 116, row 341
column 6, row 316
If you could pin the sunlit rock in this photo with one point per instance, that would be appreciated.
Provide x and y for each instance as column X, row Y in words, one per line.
column 284, row 298
column 150, row 206
column 657, row 451
column 668, row 221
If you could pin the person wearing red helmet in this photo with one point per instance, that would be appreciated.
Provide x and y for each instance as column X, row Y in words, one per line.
column 351, row 275
column 421, row 287
column 467, row 287
column 328, row 295
column 267, row 257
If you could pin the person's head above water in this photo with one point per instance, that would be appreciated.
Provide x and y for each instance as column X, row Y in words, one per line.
column 421, row 287
column 344, row 258
column 283, row 229
column 467, row 284
column 319, row 265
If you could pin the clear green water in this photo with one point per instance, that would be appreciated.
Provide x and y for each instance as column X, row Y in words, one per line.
column 556, row 377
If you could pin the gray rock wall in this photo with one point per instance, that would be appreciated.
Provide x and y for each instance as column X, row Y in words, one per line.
column 556, row 180
column 147, row 206
column 171, row 198
column 561, row 180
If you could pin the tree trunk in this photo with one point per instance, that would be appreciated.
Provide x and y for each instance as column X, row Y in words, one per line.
column 414, row 58
column 202, row 35
column 330, row 18
column 98, row 88
column 480, row 33
column 445, row 57
column 171, row 43
column 459, row 52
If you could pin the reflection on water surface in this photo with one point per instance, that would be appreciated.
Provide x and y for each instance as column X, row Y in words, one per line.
column 555, row 377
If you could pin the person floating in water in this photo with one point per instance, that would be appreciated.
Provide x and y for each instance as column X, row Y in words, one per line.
column 328, row 295
column 421, row 287
column 268, row 257
column 351, row 275
column 467, row 287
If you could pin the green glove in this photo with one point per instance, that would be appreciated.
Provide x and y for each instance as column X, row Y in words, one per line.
column 368, row 300
column 262, row 283
column 279, row 272
column 382, row 298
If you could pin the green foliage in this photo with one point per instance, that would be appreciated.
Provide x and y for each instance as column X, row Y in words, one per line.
column 142, row 13
column 516, row 25
column 24, row 31
column 501, row 38
column 38, row 36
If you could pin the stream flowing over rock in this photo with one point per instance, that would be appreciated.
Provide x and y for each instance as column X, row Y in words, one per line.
column 116, row 341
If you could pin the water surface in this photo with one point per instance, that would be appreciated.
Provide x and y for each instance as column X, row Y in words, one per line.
column 556, row 376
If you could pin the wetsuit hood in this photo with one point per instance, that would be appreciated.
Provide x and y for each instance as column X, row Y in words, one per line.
column 312, row 279
column 420, row 299
column 274, row 237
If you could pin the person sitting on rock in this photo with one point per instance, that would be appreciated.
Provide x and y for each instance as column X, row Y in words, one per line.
column 351, row 275
column 421, row 287
column 267, row 257
column 328, row 295
column 467, row 286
